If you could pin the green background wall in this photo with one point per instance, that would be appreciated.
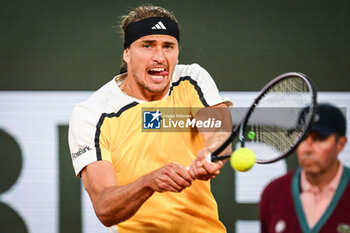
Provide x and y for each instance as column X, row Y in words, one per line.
column 75, row 45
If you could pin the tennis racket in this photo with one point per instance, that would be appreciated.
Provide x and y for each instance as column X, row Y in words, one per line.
column 277, row 120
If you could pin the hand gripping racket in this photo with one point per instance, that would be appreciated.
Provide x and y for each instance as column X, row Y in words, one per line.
column 277, row 120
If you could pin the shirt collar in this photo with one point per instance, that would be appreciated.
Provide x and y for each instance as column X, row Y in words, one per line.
column 307, row 187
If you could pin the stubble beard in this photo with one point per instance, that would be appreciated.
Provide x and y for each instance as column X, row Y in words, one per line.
column 148, row 88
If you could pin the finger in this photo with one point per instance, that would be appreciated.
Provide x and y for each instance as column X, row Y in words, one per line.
column 190, row 170
column 201, row 173
column 169, row 183
column 179, row 175
column 166, row 179
column 213, row 168
column 175, row 185
column 185, row 174
column 182, row 172
column 169, row 186
column 197, row 169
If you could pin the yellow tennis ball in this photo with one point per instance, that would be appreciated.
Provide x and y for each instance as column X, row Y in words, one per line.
column 242, row 159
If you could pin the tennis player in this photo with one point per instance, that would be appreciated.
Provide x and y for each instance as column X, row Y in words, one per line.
column 148, row 181
column 315, row 197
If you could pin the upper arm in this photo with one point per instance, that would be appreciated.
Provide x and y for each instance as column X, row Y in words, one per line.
column 81, row 137
column 87, row 137
column 97, row 177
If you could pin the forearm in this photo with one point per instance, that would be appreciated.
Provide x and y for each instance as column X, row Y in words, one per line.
column 213, row 140
column 114, row 204
column 118, row 203
column 214, row 137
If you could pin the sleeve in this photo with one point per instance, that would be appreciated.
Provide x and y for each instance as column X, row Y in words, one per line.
column 206, row 88
column 87, row 137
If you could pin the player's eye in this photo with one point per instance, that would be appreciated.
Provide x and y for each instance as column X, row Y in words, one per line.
column 168, row 46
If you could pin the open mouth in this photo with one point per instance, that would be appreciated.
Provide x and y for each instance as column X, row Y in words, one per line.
column 158, row 72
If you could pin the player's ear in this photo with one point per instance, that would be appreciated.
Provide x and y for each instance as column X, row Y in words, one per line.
column 126, row 55
column 341, row 143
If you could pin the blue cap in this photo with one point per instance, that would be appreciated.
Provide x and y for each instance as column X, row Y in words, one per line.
column 329, row 120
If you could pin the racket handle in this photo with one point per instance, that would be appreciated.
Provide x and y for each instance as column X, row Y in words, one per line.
column 212, row 159
column 217, row 158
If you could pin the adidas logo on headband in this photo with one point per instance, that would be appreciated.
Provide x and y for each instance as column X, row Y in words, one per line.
column 150, row 26
column 159, row 25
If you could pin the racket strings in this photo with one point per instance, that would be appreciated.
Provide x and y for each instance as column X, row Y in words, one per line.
column 276, row 140
column 291, row 84
column 276, row 119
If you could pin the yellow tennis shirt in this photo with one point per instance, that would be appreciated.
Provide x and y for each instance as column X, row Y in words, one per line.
column 117, row 134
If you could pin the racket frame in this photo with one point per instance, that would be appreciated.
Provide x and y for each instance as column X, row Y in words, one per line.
column 239, row 129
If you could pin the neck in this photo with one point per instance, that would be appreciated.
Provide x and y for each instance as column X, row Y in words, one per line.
column 141, row 92
column 321, row 180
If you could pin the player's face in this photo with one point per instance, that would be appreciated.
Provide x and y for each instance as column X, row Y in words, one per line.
column 151, row 61
column 318, row 154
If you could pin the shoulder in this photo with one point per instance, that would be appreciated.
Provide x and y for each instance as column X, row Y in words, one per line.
column 194, row 74
column 196, row 78
column 189, row 67
column 193, row 71
column 91, row 108
column 107, row 99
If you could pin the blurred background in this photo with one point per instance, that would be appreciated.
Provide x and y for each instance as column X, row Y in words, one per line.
column 53, row 54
